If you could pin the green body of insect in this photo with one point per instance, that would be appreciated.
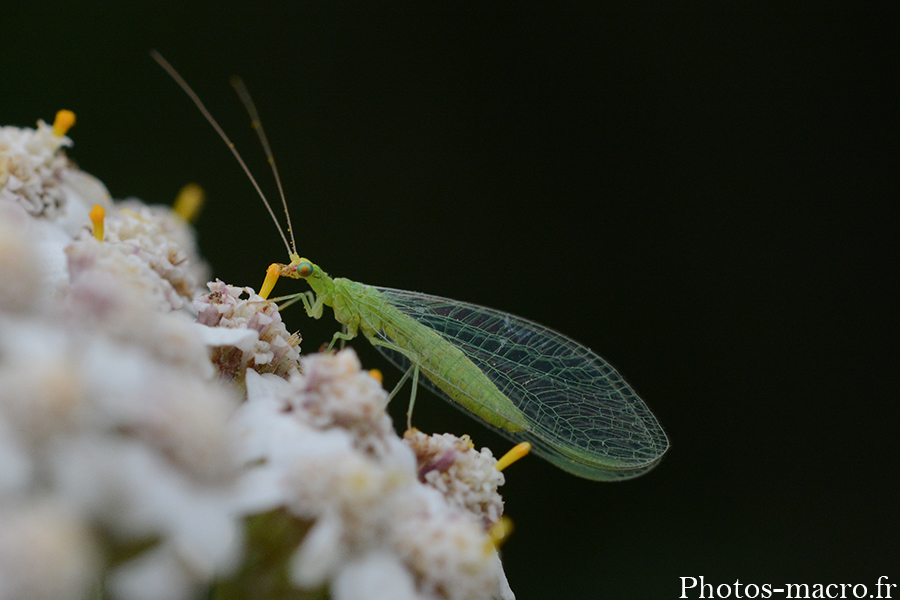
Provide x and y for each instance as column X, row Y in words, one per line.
column 528, row 382
column 364, row 308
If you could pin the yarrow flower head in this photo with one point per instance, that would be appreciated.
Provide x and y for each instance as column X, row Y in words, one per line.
column 37, row 175
column 32, row 169
column 322, row 445
column 154, row 238
column 113, row 433
column 468, row 478
column 151, row 445
column 246, row 333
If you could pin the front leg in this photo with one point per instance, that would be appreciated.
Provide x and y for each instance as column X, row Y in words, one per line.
column 308, row 299
column 312, row 304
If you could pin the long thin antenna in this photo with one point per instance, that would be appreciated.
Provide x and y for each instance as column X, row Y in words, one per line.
column 256, row 123
column 193, row 96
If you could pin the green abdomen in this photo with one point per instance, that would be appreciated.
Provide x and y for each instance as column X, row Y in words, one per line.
column 439, row 360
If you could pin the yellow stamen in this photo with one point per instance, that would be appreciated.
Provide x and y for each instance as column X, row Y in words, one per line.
column 272, row 274
column 97, row 215
column 517, row 452
column 63, row 122
column 499, row 532
column 376, row 374
column 189, row 202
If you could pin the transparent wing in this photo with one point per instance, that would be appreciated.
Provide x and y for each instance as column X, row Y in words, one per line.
column 582, row 416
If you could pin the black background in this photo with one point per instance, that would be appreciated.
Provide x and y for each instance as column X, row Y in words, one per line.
column 708, row 198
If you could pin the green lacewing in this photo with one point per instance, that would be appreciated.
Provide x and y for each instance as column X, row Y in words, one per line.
column 522, row 379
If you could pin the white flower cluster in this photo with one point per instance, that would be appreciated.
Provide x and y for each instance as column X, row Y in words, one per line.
column 41, row 179
column 323, row 446
column 114, row 435
column 31, row 169
column 130, row 469
column 468, row 478
column 138, row 237
column 246, row 333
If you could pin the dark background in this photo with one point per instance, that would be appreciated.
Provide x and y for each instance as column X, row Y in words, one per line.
column 707, row 198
